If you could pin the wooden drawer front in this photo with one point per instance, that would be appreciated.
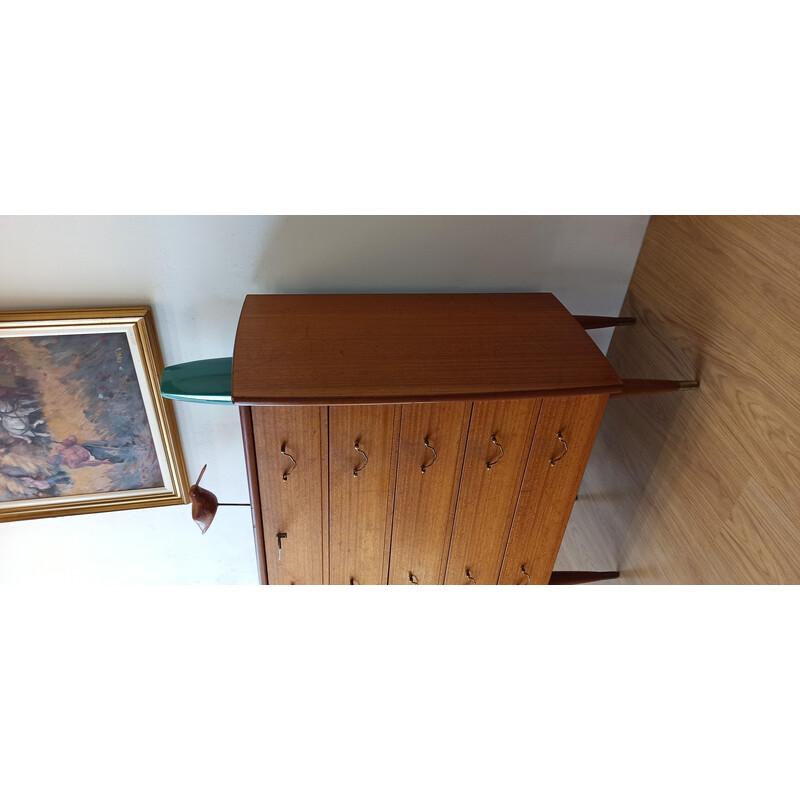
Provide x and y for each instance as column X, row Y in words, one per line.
column 425, row 501
column 548, row 492
column 361, row 506
column 487, row 497
column 296, row 506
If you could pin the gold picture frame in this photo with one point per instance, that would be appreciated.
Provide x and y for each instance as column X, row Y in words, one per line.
column 83, row 426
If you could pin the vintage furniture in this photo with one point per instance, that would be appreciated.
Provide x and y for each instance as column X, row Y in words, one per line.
column 417, row 438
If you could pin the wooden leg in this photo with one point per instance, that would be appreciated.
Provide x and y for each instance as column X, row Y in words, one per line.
column 572, row 578
column 635, row 386
column 604, row 322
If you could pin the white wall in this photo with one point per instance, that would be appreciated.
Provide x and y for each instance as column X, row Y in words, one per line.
column 195, row 272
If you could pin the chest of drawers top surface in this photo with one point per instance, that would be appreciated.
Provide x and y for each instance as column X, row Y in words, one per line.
column 401, row 348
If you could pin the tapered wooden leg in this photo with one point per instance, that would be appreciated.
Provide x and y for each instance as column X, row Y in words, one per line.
column 604, row 322
column 636, row 386
column 572, row 578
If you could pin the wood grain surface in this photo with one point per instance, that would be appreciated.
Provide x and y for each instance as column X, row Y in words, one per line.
column 487, row 497
column 701, row 487
column 248, row 442
column 425, row 501
column 294, row 506
column 356, row 349
column 548, row 491
column 361, row 507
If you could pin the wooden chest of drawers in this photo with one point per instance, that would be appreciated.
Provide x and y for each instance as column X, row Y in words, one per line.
column 415, row 439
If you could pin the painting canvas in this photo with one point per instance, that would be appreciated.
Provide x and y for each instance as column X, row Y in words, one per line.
column 82, row 425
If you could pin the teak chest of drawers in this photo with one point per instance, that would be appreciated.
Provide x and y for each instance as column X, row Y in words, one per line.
column 415, row 438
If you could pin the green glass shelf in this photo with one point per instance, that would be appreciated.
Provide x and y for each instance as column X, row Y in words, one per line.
column 206, row 381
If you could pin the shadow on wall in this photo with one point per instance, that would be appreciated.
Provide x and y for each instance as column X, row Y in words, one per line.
column 585, row 261
column 612, row 498
column 630, row 460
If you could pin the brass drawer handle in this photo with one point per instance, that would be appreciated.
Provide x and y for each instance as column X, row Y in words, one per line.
column 366, row 461
column 280, row 537
column 412, row 578
column 428, row 466
column 294, row 463
column 490, row 464
column 560, row 439
column 470, row 577
column 526, row 575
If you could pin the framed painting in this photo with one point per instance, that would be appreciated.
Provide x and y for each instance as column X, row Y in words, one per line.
column 83, row 426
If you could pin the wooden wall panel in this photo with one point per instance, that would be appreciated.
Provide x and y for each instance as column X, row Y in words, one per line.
column 425, row 501
column 295, row 506
column 487, row 497
column 548, row 491
column 361, row 505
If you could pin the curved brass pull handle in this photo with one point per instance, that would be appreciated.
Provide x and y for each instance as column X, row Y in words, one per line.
column 279, row 537
column 294, row 463
column 428, row 466
column 490, row 464
column 526, row 575
column 366, row 461
column 354, row 582
column 412, row 578
column 470, row 577
column 560, row 439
